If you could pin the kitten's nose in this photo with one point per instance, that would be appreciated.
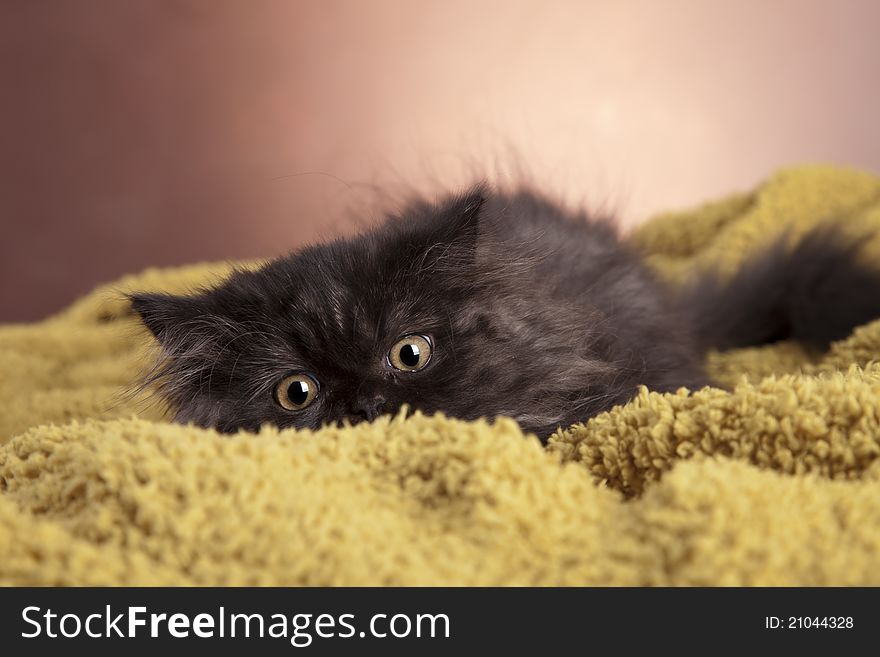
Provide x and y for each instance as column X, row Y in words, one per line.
column 368, row 408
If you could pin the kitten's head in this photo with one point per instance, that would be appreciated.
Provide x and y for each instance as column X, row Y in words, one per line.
column 421, row 311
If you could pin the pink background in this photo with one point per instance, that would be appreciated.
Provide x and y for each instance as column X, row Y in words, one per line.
column 143, row 133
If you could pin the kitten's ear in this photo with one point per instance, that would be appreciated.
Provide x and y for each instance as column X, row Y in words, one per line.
column 456, row 232
column 463, row 215
column 165, row 315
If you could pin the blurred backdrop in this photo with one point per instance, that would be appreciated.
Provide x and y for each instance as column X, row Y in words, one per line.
column 161, row 132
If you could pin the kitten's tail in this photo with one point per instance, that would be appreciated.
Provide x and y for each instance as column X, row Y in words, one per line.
column 814, row 293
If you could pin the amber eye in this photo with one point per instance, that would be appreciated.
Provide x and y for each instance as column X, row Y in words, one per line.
column 411, row 353
column 296, row 391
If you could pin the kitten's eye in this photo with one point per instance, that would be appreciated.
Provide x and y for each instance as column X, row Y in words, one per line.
column 410, row 353
column 296, row 391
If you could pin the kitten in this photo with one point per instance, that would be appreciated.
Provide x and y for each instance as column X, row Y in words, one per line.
column 482, row 305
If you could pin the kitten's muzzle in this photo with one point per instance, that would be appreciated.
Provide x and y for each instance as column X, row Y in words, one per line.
column 368, row 408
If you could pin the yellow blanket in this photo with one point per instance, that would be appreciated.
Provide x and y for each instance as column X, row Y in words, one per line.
column 775, row 483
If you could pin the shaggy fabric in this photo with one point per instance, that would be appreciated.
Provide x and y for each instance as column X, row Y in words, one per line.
column 776, row 482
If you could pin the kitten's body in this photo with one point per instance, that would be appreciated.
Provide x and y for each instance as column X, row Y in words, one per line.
column 531, row 312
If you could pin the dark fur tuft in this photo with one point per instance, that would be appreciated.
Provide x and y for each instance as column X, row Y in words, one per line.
column 814, row 293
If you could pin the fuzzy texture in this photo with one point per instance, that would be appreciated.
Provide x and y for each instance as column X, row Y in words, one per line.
column 772, row 482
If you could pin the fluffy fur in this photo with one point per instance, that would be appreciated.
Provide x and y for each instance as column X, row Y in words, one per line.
column 534, row 313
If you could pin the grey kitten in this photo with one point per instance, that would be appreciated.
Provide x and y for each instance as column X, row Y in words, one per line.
column 481, row 305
